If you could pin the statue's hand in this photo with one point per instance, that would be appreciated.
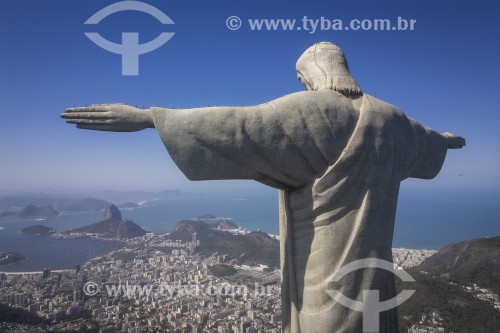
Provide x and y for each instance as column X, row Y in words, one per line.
column 454, row 141
column 112, row 117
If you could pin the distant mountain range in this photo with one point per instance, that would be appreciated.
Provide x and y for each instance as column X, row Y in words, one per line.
column 71, row 204
column 139, row 196
column 32, row 212
column 37, row 212
column 128, row 205
column 84, row 205
column 77, row 202
column 112, row 226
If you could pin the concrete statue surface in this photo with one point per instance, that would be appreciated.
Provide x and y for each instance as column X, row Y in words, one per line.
column 337, row 157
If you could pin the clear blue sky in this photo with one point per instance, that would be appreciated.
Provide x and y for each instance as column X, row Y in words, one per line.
column 445, row 74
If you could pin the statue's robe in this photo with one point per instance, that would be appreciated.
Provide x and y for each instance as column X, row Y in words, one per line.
column 337, row 163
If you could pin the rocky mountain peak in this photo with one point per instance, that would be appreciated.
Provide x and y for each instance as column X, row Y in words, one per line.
column 112, row 213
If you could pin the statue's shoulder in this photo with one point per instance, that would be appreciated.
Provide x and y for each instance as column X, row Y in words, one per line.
column 320, row 94
column 374, row 104
column 323, row 98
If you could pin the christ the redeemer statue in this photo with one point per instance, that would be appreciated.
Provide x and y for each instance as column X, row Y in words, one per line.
column 337, row 157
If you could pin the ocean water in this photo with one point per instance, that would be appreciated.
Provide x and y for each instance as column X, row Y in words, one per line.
column 43, row 251
column 424, row 221
column 429, row 219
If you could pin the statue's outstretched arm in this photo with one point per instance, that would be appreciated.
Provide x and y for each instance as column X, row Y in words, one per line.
column 109, row 117
column 454, row 141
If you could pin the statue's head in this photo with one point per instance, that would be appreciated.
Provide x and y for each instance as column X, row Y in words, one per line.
column 323, row 66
